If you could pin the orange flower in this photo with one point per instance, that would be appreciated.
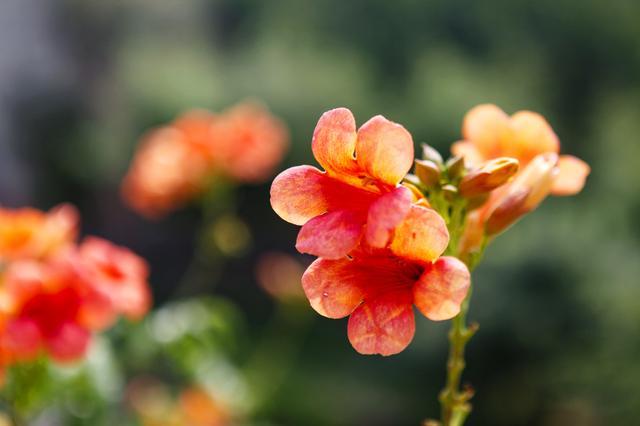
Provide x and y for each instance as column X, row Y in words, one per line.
column 357, row 196
column 29, row 233
column 490, row 133
column 177, row 162
column 248, row 142
column 165, row 173
column 377, row 288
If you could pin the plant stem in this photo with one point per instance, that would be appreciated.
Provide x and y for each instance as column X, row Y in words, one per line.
column 455, row 401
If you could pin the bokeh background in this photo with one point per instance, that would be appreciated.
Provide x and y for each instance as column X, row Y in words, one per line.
column 558, row 297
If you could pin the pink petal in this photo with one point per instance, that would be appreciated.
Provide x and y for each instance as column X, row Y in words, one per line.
column 421, row 236
column 572, row 175
column 441, row 289
column 21, row 338
column 384, row 150
column 297, row 194
column 69, row 343
column 332, row 235
column 334, row 141
column 384, row 325
column 333, row 287
column 385, row 214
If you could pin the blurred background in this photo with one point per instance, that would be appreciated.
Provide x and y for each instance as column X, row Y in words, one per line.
column 558, row 297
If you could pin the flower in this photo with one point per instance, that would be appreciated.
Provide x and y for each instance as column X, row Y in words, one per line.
column 248, row 142
column 377, row 289
column 45, row 312
column 490, row 133
column 118, row 274
column 357, row 196
column 166, row 172
column 32, row 234
column 176, row 162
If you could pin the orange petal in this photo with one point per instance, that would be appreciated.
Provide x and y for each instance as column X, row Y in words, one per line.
column 69, row 344
column 384, row 325
column 472, row 157
column 441, row 289
column 334, row 141
column 421, row 236
column 297, row 194
column 384, row 150
column 532, row 135
column 332, row 287
column 332, row 235
column 485, row 126
column 385, row 214
column 572, row 175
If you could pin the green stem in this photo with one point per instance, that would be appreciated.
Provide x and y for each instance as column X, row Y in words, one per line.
column 455, row 401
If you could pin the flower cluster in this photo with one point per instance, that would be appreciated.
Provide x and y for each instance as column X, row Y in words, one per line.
column 176, row 162
column 380, row 233
column 379, row 245
column 54, row 292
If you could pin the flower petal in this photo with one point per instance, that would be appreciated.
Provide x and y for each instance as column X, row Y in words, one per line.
column 333, row 287
column 421, row 236
column 332, row 235
column 385, row 214
column 384, row 325
column 485, row 126
column 384, row 150
column 441, row 289
column 21, row 339
column 532, row 135
column 297, row 194
column 466, row 149
column 334, row 141
column 69, row 343
column 572, row 175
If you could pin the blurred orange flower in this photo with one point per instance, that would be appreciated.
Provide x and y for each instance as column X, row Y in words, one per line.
column 177, row 162
column 29, row 233
column 490, row 133
column 360, row 185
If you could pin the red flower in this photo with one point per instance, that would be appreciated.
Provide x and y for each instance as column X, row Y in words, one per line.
column 358, row 194
column 45, row 312
column 116, row 274
column 377, row 290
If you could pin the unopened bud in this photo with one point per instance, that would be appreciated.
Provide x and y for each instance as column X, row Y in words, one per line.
column 489, row 176
column 525, row 193
column 455, row 166
column 430, row 153
column 428, row 172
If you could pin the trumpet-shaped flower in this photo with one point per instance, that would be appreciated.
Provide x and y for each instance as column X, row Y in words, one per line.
column 377, row 290
column 489, row 133
column 358, row 196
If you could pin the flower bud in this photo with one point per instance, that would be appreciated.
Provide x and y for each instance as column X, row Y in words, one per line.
column 489, row 176
column 429, row 153
column 449, row 192
column 455, row 166
column 525, row 193
column 428, row 172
